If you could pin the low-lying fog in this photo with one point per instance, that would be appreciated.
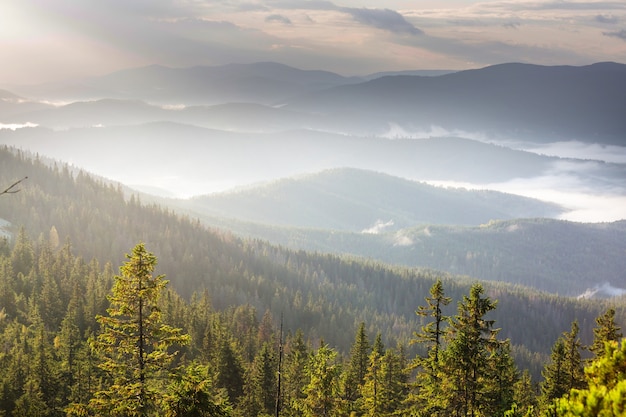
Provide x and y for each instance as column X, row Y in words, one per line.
column 572, row 184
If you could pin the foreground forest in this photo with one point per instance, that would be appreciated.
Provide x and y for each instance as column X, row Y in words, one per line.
column 65, row 304
column 80, row 340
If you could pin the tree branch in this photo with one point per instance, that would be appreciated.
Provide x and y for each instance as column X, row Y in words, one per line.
column 11, row 188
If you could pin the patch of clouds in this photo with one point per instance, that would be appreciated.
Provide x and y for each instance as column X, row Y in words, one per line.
column 621, row 34
column 15, row 126
column 608, row 19
column 402, row 239
column 511, row 25
column 379, row 227
column 604, row 290
column 570, row 184
column 278, row 19
column 579, row 150
column 397, row 131
column 385, row 19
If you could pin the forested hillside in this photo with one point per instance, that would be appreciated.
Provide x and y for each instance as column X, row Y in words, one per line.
column 355, row 200
column 323, row 294
column 71, row 231
column 560, row 257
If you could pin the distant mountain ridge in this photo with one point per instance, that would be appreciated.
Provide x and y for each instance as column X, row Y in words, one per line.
column 261, row 82
column 513, row 100
column 531, row 101
column 355, row 200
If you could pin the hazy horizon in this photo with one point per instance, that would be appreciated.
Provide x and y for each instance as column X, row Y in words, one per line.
column 55, row 40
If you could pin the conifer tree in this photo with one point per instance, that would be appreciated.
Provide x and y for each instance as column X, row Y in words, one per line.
column 321, row 395
column 357, row 368
column 524, row 395
column 431, row 334
column 229, row 369
column 384, row 386
column 134, row 343
column 606, row 391
column 573, row 347
column 192, row 393
column 554, row 374
column 501, row 380
column 466, row 359
column 264, row 378
column 295, row 375
column 426, row 394
column 605, row 331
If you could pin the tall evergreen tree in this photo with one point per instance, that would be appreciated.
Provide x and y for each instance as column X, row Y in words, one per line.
column 605, row 394
column 295, row 375
column 605, row 331
column 565, row 370
column 426, row 389
column 357, row 367
column 322, row 394
column 501, row 380
column 134, row 343
column 384, row 386
column 432, row 332
column 466, row 366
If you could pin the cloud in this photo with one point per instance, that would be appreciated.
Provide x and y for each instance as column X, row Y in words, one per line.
column 378, row 227
column 609, row 19
column 402, row 239
column 385, row 19
column 621, row 34
column 278, row 18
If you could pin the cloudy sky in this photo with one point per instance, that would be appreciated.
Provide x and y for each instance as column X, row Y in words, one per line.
column 50, row 40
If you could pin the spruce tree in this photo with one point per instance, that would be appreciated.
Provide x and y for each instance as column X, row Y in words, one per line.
column 605, row 394
column 321, row 395
column 605, row 331
column 357, row 368
column 465, row 381
column 134, row 344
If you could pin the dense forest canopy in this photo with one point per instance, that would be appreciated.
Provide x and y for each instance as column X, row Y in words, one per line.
column 60, row 291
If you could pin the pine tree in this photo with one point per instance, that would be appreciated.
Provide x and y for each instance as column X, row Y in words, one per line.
column 431, row 334
column 321, row 395
column 573, row 347
column 134, row 343
column 384, row 386
column 606, row 391
column 501, row 380
column 357, row 368
column 466, row 359
column 229, row 369
column 426, row 393
column 264, row 378
column 524, row 395
column 554, row 374
column 192, row 394
column 565, row 372
column 295, row 375
column 605, row 331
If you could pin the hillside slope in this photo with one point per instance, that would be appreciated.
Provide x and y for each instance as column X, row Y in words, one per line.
column 356, row 200
column 325, row 295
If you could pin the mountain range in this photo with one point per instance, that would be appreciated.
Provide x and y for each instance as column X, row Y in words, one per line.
column 523, row 101
column 347, row 164
column 356, row 200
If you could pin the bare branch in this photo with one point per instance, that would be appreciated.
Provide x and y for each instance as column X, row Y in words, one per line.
column 11, row 188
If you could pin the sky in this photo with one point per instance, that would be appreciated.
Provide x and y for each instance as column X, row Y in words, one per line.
column 54, row 40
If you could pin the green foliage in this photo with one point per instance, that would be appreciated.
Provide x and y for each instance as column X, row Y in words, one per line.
column 606, row 394
column 134, row 343
column 322, row 394
column 50, row 298
column 606, row 330
column 192, row 393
